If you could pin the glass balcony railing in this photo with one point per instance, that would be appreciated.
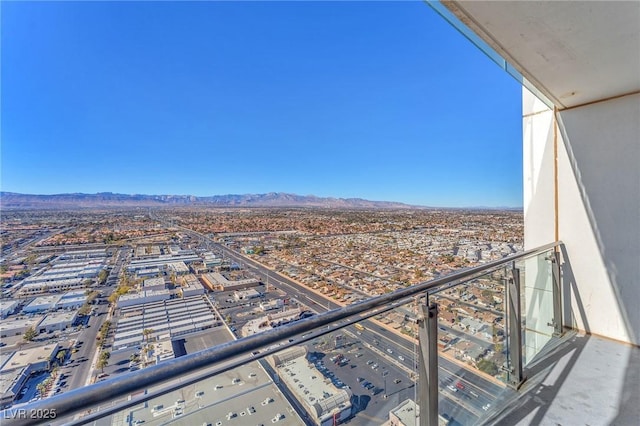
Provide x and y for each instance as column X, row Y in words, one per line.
column 444, row 351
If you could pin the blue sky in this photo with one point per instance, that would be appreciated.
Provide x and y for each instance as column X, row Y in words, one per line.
column 377, row 100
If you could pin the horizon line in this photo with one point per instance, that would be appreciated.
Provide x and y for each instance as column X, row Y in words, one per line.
column 479, row 207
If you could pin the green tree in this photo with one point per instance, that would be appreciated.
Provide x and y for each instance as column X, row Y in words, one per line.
column 91, row 297
column 102, row 363
column 60, row 356
column 149, row 349
column 84, row 309
column 113, row 298
column 146, row 333
column 29, row 334
column 487, row 367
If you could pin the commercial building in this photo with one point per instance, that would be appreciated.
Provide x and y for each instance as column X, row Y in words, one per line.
column 179, row 268
column 407, row 413
column 143, row 297
column 8, row 307
column 161, row 262
column 58, row 286
column 154, row 284
column 209, row 260
column 325, row 404
column 18, row 326
column 39, row 358
column 84, row 254
column 166, row 319
column 148, row 272
column 242, row 396
column 68, row 269
column 10, row 384
column 271, row 304
column 147, row 251
column 57, row 321
column 191, row 286
column 72, row 300
column 246, row 294
column 217, row 281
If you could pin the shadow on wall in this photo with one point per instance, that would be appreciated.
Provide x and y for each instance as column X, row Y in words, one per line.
column 602, row 143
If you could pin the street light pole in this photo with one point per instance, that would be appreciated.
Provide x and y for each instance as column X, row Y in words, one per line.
column 384, row 375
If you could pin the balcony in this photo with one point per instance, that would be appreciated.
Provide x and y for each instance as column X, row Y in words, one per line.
column 482, row 345
column 565, row 350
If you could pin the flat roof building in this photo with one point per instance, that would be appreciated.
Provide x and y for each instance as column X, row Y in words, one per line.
column 154, row 284
column 72, row 300
column 271, row 304
column 179, row 268
column 246, row 294
column 42, row 304
column 143, row 297
column 407, row 413
column 58, row 286
column 168, row 319
column 83, row 254
column 242, row 396
column 10, row 384
column 18, row 326
column 217, row 281
column 161, row 261
column 8, row 307
column 325, row 404
column 57, row 321
column 39, row 358
column 191, row 286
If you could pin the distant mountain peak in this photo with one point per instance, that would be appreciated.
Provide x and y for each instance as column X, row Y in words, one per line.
column 12, row 200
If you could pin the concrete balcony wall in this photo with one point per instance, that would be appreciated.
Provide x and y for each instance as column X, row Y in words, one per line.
column 598, row 211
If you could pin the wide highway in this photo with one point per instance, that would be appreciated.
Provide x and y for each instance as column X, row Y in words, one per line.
column 464, row 394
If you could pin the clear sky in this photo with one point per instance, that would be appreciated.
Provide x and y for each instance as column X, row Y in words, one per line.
column 377, row 100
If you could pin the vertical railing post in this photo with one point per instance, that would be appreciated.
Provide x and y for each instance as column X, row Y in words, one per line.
column 515, row 327
column 428, row 365
column 557, row 294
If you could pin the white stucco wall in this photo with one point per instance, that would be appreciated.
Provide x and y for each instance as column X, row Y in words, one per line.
column 539, row 214
column 598, row 209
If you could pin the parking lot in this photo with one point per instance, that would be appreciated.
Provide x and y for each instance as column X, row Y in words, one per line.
column 377, row 386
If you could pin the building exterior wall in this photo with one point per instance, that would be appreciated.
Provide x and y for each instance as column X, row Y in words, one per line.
column 598, row 211
column 8, row 307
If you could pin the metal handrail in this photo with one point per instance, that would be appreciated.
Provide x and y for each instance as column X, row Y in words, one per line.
column 235, row 352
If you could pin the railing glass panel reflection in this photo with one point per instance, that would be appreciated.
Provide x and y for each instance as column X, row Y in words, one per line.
column 362, row 361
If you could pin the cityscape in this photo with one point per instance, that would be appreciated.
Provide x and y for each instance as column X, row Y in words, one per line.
column 90, row 295
column 247, row 213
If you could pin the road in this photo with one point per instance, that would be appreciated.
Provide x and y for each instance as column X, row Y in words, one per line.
column 463, row 402
column 472, row 392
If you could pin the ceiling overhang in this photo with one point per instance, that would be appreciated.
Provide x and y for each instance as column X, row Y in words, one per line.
column 575, row 53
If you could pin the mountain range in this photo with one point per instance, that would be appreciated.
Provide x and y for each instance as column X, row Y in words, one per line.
column 12, row 200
